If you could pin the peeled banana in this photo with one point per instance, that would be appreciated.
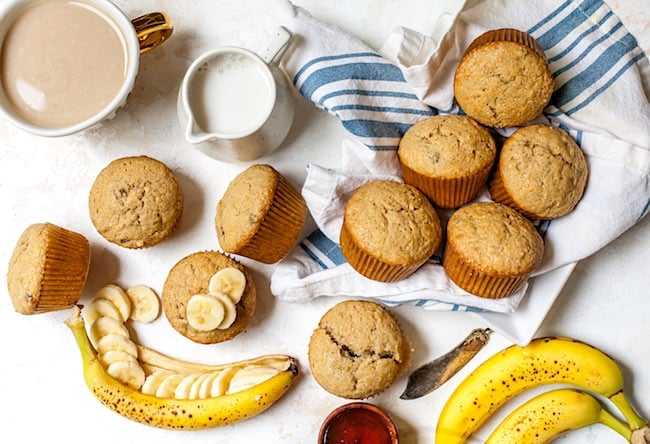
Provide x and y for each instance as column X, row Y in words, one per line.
column 551, row 360
column 550, row 414
column 183, row 414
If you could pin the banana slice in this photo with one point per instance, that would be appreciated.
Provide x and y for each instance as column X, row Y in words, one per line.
column 204, row 312
column 230, row 281
column 196, row 385
column 184, row 388
column 221, row 383
column 128, row 372
column 153, row 381
column 229, row 308
column 102, row 308
column 106, row 326
column 118, row 297
column 112, row 356
column 145, row 304
column 204, row 389
column 116, row 342
column 168, row 386
column 250, row 376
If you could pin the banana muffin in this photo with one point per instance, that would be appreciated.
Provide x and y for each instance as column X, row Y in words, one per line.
column 194, row 276
column 503, row 79
column 541, row 172
column 358, row 349
column 260, row 215
column 491, row 249
column 448, row 158
column 135, row 202
column 47, row 269
column 389, row 230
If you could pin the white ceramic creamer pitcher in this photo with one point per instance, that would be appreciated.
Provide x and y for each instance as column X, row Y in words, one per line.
column 235, row 105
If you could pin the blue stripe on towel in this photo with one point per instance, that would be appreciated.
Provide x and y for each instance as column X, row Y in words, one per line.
column 350, row 71
column 645, row 211
column 618, row 74
column 604, row 53
column 559, row 31
column 599, row 68
column 584, row 53
column 332, row 57
column 582, row 36
column 384, row 109
column 375, row 128
column 367, row 93
column 317, row 244
column 361, row 78
column 551, row 16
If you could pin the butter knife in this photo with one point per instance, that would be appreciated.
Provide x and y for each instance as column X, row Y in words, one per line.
column 435, row 373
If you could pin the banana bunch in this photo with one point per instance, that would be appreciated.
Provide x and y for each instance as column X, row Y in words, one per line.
column 551, row 360
column 165, row 392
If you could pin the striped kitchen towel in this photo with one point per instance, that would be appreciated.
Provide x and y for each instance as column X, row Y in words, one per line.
column 601, row 97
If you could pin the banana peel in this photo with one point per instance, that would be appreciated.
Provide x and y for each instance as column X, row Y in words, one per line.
column 180, row 414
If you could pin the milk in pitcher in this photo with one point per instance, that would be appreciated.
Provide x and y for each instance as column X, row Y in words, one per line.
column 231, row 94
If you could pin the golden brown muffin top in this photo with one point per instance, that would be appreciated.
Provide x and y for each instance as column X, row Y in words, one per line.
column 135, row 202
column 190, row 276
column 358, row 349
column 393, row 222
column 544, row 170
column 244, row 205
column 504, row 81
column 495, row 239
column 447, row 146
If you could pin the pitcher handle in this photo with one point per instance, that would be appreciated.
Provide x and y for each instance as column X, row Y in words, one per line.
column 278, row 45
column 152, row 30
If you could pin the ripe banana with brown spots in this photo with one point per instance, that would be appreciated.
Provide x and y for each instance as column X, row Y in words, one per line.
column 551, row 414
column 550, row 360
column 183, row 414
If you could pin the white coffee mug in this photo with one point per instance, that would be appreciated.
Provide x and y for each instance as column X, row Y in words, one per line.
column 235, row 105
column 69, row 65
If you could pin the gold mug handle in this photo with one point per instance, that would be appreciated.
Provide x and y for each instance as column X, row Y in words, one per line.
column 152, row 29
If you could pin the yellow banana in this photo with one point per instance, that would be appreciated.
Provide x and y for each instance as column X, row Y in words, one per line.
column 184, row 414
column 509, row 372
column 546, row 416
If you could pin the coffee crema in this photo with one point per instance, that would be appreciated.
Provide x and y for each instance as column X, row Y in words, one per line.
column 62, row 62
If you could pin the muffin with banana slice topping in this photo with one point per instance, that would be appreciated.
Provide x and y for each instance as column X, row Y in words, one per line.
column 209, row 297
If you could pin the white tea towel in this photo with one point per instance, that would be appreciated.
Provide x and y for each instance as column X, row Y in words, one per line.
column 601, row 99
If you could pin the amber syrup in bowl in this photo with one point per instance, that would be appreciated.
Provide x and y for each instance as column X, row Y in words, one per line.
column 358, row 423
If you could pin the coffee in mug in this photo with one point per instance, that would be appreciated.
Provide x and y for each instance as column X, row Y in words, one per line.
column 62, row 62
column 68, row 65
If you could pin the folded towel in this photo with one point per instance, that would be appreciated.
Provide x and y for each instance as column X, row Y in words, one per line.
column 601, row 99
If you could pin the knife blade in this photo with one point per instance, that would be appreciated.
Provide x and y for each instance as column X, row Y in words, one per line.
column 433, row 374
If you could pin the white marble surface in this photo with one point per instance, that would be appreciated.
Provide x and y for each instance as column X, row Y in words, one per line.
column 604, row 302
